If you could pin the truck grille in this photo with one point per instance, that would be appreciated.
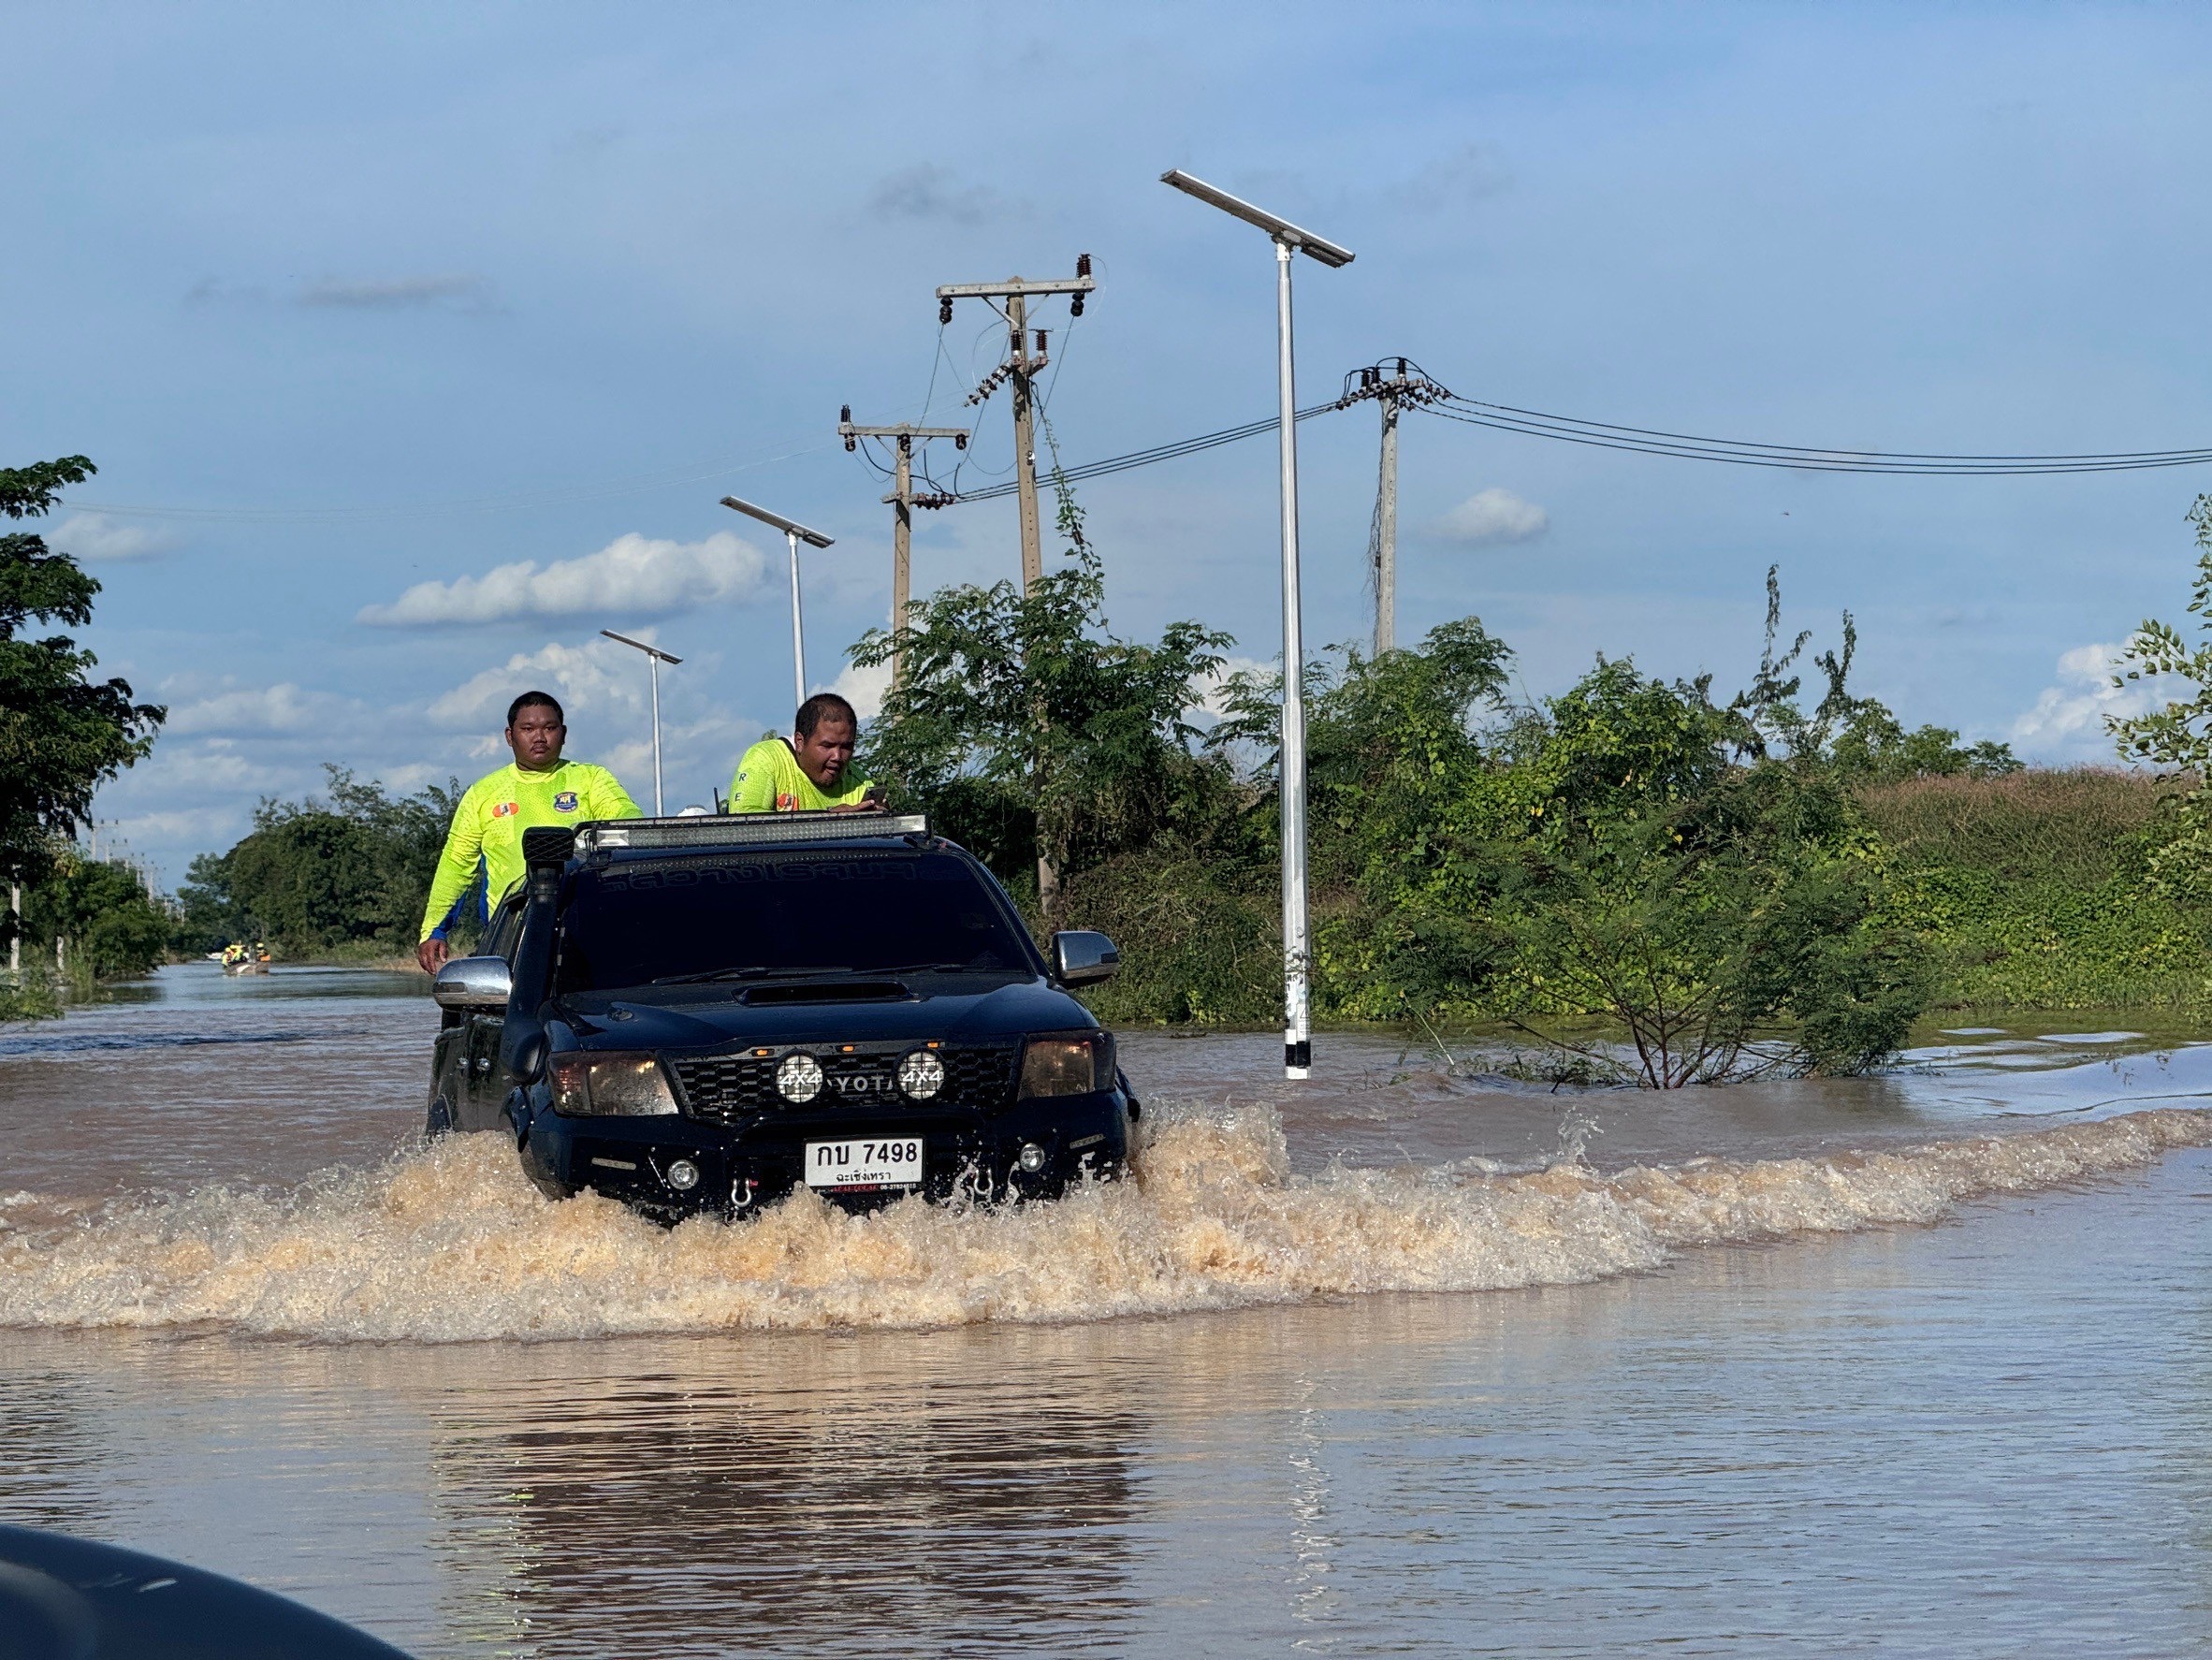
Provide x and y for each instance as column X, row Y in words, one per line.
column 723, row 1087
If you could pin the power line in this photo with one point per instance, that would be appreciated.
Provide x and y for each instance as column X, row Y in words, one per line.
column 1145, row 458
column 1797, row 457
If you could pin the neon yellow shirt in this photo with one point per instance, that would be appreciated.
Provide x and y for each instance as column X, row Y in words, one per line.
column 498, row 809
column 768, row 780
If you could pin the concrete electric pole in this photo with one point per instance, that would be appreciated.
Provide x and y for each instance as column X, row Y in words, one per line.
column 1385, row 530
column 1020, row 368
column 901, row 500
column 1395, row 384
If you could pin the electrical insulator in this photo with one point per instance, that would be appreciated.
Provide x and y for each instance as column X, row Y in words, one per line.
column 1075, row 305
column 944, row 312
column 852, row 444
column 959, row 441
column 845, row 415
column 1083, row 265
column 1401, row 369
column 1040, row 342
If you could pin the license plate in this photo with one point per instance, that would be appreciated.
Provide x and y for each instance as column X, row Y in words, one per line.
column 894, row 1161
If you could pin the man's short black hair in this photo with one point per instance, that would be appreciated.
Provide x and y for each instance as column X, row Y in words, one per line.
column 820, row 707
column 532, row 700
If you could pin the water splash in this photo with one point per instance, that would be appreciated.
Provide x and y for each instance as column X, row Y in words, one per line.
column 449, row 1242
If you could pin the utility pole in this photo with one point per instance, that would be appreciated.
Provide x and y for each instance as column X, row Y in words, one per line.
column 901, row 501
column 1395, row 384
column 1386, row 530
column 1021, row 368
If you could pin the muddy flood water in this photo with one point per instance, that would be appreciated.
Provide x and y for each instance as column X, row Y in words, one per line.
column 1401, row 1359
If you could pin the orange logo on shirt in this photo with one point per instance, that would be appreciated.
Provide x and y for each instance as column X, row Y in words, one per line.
column 506, row 809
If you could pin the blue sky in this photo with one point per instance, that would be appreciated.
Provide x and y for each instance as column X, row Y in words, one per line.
column 364, row 303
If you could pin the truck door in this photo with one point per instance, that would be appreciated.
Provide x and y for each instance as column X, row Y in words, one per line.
column 485, row 1091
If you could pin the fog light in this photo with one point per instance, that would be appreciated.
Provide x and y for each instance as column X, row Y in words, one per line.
column 1032, row 1157
column 921, row 1074
column 683, row 1175
column 799, row 1078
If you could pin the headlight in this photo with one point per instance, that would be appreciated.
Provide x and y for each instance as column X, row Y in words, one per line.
column 598, row 1086
column 1066, row 1063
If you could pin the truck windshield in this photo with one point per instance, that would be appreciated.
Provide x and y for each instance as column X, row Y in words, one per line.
column 752, row 916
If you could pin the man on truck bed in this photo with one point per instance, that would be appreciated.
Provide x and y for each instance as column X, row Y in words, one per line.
column 537, row 788
column 812, row 770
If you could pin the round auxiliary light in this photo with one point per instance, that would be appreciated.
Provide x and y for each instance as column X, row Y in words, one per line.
column 683, row 1175
column 799, row 1078
column 1032, row 1157
column 921, row 1074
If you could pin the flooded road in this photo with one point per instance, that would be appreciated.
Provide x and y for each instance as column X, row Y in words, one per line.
column 1788, row 1368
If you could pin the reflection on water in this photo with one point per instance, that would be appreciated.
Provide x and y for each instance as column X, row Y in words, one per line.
column 820, row 1497
column 1987, row 1436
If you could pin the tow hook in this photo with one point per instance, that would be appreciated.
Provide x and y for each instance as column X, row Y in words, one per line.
column 742, row 1193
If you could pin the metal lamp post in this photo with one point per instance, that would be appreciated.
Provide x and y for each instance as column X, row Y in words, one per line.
column 655, row 657
column 1297, row 950
column 793, row 533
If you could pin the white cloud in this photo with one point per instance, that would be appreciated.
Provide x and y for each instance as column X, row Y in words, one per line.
column 1493, row 515
column 864, row 688
column 594, row 680
column 1210, row 689
column 97, row 536
column 2067, row 721
column 266, row 709
column 633, row 575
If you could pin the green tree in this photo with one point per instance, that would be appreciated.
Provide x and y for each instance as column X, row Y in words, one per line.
column 1032, row 733
column 351, row 873
column 2177, row 736
column 1873, row 747
column 116, row 928
column 62, row 733
column 208, row 914
column 1729, row 918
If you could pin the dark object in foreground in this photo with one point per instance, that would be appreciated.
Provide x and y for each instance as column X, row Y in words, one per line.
column 702, row 1014
column 70, row 1599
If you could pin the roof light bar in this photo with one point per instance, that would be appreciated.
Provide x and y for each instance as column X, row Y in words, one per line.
column 746, row 830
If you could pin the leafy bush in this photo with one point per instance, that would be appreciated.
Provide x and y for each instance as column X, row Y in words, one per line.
column 2035, row 889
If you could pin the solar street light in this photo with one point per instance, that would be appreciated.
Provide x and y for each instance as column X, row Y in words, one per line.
column 793, row 533
column 655, row 657
column 1297, row 947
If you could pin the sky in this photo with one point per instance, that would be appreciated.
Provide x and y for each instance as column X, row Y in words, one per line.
column 416, row 345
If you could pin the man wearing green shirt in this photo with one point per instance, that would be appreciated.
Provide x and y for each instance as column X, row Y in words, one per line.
column 537, row 789
column 811, row 771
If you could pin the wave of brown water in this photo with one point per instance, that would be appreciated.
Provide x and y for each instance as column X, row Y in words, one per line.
column 448, row 1242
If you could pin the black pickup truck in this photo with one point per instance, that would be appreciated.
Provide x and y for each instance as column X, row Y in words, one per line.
column 702, row 1014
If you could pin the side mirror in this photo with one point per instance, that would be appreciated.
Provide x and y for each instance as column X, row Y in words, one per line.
column 1082, row 958
column 474, row 983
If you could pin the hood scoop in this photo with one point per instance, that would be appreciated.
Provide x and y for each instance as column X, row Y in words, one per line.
column 821, row 991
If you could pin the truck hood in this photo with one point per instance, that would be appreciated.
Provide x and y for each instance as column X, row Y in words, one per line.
column 942, row 1007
